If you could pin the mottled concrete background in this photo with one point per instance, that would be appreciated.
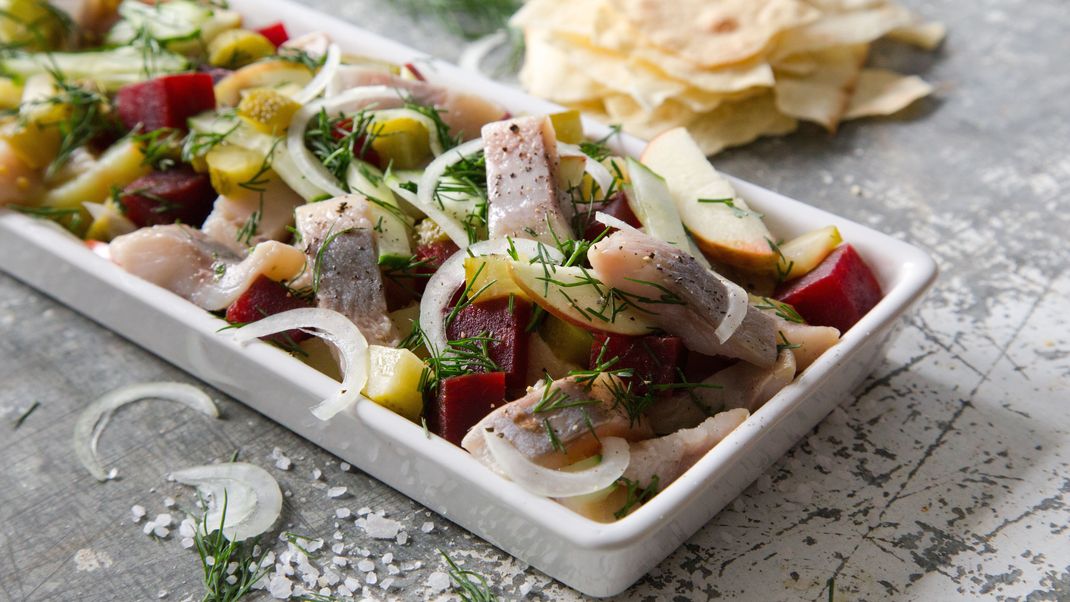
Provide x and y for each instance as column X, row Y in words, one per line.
column 945, row 477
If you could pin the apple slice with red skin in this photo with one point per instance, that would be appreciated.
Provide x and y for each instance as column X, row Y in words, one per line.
column 836, row 293
column 463, row 401
column 721, row 223
column 263, row 298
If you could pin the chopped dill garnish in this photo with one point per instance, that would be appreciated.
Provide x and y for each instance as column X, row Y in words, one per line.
column 551, row 434
column 199, row 143
column 442, row 129
column 783, row 266
column 636, row 496
column 70, row 218
column 301, row 57
column 731, row 204
column 599, row 149
column 466, row 181
column 786, row 344
column 337, row 141
column 160, row 147
column 217, row 553
column 467, row 18
column 257, row 183
column 781, row 309
column 463, row 584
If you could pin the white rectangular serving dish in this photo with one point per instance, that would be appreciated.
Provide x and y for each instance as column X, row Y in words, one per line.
column 596, row 559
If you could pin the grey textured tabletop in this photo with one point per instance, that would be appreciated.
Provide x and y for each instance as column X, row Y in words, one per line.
column 944, row 476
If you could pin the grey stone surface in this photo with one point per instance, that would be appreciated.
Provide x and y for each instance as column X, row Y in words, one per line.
column 946, row 476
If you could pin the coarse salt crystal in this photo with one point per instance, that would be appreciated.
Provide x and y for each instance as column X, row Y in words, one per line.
column 332, row 577
column 336, row 492
column 187, row 542
column 338, row 535
column 371, row 578
column 112, row 474
column 344, row 466
column 313, row 544
column 427, row 527
column 378, row 527
column 231, row 567
column 344, row 591
column 317, row 473
column 161, row 594
column 363, row 511
column 402, row 538
column 169, row 502
column 386, row 583
column 365, row 566
column 338, row 547
column 392, row 569
column 282, row 464
column 388, row 558
column 525, row 589
column 163, row 520
column 352, row 584
column 339, row 561
column 232, row 579
column 161, row 531
column 138, row 512
column 342, row 513
column 187, row 527
column 280, row 587
column 438, row 582
column 209, row 560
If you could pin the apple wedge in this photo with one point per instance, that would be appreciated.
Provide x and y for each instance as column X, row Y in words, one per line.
column 721, row 223
column 574, row 295
column 800, row 255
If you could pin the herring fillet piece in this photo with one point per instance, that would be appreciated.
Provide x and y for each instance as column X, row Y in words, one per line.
column 231, row 213
column 347, row 268
column 526, row 431
column 670, row 456
column 190, row 264
column 522, row 165
column 642, row 265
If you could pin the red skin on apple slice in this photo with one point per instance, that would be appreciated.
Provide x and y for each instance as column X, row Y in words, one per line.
column 463, row 401
column 507, row 326
column 837, row 293
column 263, row 298
column 652, row 359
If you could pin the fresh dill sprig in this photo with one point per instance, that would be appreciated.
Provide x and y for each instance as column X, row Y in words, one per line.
column 599, row 149
column 87, row 116
column 199, row 143
column 257, row 183
column 26, row 413
column 781, row 309
column 216, row 553
column 467, row 18
column 337, row 141
column 783, row 266
column 301, row 57
column 466, row 181
column 467, row 589
column 442, row 129
column 731, row 204
column 786, row 343
column 70, row 218
column 636, row 496
column 161, row 148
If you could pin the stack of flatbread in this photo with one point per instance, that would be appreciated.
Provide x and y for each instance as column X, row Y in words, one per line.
column 728, row 70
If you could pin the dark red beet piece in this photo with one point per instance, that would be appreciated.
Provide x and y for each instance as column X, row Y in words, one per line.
column 507, row 326
column 652, row 359
column 275, row 33
column 165, row 102
column 435, row 254
column 165, row 197
column 837, row 293
column 263, row 298
column 616, row 206
column 698, row 367
column 403, row 287
column 464, row 400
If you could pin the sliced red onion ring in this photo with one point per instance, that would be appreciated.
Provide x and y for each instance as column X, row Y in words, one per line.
column 94, row 418
column 738, row 301
column 448, row 278
column 251, row 495
column 337, row 330
column 558, row 483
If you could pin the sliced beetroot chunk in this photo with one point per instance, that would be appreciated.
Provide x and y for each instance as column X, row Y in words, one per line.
column 275, row 33
column 263, row 298
column 652, row 359
column 465, row 400
column 165, row 102
column 615, row 206
column 166, row 197
column 505, row 322
column 837, row 293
